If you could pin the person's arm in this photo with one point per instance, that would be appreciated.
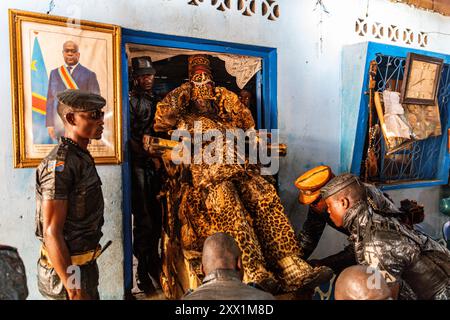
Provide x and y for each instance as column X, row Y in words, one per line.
column 339, row 261
column 54, row 217
column 311, row 233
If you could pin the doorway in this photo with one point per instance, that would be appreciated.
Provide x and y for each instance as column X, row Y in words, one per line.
column 171, row 70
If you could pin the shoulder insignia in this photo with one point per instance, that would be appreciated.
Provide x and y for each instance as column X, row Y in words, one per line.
column 59, row 166
column 51, row 166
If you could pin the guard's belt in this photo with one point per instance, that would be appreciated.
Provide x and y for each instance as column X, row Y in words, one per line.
column 79, row 259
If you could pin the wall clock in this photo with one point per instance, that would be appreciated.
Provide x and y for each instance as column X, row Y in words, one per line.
column 421, row 79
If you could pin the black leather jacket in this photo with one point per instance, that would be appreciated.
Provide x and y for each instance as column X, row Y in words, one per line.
column 142, row 113
column 315, row 223
column 69, row 173
column 398, row 251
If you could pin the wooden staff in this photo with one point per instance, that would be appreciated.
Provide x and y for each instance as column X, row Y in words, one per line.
column 371, row 156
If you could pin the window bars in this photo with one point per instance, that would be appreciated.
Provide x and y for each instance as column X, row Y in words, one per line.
column 420, row 160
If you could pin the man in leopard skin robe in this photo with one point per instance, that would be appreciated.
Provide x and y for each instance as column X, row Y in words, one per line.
column 232, row 198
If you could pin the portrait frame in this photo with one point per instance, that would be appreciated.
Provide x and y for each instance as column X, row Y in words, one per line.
column 406, row 90
column 29, row 98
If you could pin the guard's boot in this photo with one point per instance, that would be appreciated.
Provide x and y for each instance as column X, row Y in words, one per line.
column 144, row 282
column 154, row 269
column 297, row 274
column 262, row 279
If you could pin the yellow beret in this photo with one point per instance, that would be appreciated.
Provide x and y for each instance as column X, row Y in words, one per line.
column 310, row 183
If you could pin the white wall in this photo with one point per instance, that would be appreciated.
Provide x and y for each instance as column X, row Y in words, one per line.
column 309, row 95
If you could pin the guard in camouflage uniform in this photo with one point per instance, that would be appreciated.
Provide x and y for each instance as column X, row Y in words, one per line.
column 402, row 254
column 309, row 185
column 69, row 203
column 145, row 177
column 13, row 281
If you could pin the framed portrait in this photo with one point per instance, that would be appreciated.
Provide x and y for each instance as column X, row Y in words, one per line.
column 48, row 55
column 422, row 75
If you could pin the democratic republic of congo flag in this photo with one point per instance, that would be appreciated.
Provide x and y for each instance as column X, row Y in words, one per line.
column 39, row 87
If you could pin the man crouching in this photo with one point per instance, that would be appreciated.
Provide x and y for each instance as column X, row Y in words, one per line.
column 407, row 259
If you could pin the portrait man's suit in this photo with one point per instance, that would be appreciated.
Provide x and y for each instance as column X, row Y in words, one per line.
column 61, row 79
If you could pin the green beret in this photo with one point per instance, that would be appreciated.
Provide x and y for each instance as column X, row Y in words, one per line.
column 79, row 100
column 337, row 184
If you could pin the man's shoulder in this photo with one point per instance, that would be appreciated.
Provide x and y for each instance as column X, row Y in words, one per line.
column 85, row 69
column 388, row 229
column 54, row 71
column 228, row 290
column 60, row 156
column 7, row 248
column 59, row 152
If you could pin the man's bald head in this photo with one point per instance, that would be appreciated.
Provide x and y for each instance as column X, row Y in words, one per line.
column 361, row 283
column 220, row 251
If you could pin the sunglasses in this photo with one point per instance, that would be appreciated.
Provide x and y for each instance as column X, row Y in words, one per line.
column 97, row 114
column 94, row 115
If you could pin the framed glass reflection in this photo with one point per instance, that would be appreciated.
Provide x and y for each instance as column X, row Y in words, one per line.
column 50, row 54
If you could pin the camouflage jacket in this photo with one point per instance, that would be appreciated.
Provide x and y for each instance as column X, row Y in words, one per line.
column 13, row 281
column 398, row 251
column 316, row 222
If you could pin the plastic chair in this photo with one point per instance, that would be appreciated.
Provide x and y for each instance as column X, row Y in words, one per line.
column 446, row 233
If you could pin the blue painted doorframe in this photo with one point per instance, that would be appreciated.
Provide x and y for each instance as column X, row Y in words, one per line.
column 372, row 50
column 267, row 120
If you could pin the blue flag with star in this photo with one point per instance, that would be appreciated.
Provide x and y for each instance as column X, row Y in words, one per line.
column 39, row 87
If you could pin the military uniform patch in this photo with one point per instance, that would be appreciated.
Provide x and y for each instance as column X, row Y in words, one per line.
column 51, row 166
column 59, row 166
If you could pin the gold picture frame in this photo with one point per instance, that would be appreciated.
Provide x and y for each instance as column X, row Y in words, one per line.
column 36, row 47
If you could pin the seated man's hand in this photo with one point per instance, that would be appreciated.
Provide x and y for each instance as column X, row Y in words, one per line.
column 315, row 262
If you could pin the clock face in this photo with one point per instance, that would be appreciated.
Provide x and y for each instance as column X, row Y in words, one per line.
column 422, row 79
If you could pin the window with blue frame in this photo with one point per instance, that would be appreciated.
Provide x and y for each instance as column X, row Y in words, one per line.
column 421, row 160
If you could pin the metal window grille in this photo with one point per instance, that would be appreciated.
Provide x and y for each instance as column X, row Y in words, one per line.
column 418, row 162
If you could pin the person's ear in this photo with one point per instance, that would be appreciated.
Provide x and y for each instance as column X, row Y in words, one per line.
column 345, row 203
column 70, row 118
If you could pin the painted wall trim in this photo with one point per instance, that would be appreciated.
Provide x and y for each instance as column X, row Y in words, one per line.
column 126, row 180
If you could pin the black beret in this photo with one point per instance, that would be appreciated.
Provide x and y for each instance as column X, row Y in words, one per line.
column 337, row 184
column 79, row 100
column 142, row 65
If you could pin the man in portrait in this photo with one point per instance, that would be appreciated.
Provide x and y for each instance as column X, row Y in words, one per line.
column 70, row 75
